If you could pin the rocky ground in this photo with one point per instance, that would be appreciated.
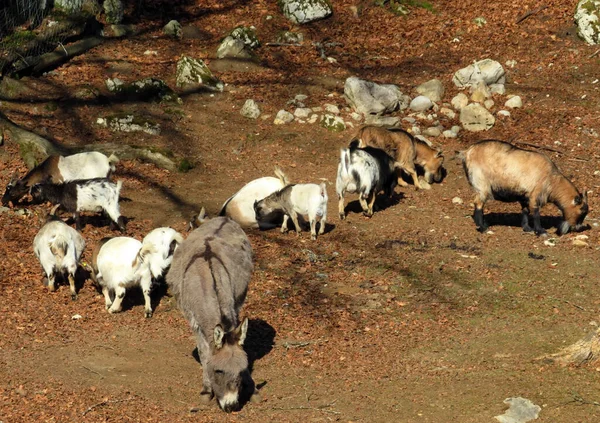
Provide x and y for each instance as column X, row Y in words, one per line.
column 409, row 316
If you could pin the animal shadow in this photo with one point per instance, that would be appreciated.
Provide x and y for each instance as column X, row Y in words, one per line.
column 382, row 202
column 514, row 220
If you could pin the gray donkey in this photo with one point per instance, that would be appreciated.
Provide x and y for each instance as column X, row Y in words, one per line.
column 209, row 278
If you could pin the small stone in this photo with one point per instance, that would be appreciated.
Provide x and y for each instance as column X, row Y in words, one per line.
column 497, row 89
column 582, row 237
column 250, row 109
column 456, row 129
column 550, row 242
column 333, row 123
column 481, row 92
column 433, row 131
column 313, row 118
column 449, row 113
column 4, row 209
column 114, row 84
column 475, row 118
column 415, row 130
column 489, row 103
column 460, row 101
column 317, row 109
column 76, row 317
column 504, row 113
column 101, row 122
column 511, row 63
column 433, row 90
column 356, row 116
column 382, row 120
column 283, row 117
column 409, row 119
column 302, row 112
column 448, row 134
column 300, row 97
column 457, row 200
column 150, row 53
column 332, row 108
column 514, row 102
column 173, row 29
column 420, row 104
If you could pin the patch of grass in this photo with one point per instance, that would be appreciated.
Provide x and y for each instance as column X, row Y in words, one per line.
column 397, row 5
column 185, row 165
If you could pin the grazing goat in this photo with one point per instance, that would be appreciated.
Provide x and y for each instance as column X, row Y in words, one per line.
column 500, row 171
column 240, row 206
column 120, row 263
column 93, row 195
column 399, row 145
column 431, row 160
column 209, row 277
column 58, row 248
column 293, row 200
column 58, row 169
column 364, row 171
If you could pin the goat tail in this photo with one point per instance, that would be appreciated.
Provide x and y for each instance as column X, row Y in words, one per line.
column 323, row 187
column 461, row 155
column 59, row 245
column 119, row 185
column 282, row 176
column 141, row 255
column 345, row 160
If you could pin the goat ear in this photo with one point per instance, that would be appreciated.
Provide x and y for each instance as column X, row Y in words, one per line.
column 241, row 332
column 218, row 336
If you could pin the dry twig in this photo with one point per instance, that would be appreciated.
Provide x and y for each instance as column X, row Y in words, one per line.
column 568, row 302
column 106, row 402
column 530, row 13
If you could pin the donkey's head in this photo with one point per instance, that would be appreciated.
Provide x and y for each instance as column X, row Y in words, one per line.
column 227, row 367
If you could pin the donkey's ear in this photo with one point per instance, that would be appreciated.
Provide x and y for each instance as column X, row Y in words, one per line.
column 241, row 331
column 218, row 335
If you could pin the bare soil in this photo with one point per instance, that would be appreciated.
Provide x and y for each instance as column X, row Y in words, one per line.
column 410, row 316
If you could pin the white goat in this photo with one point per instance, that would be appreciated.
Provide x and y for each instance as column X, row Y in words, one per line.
column 58, row 169
column 240, row 206
column 364, row 171
column 58, row 248
column 293, row 200
column 122, row 262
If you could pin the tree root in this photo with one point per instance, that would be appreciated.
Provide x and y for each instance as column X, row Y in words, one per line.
column 34, row 148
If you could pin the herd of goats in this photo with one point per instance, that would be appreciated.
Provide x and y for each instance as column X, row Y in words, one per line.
column 209, row 271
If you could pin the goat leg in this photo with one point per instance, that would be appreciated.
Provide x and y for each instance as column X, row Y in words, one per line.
column 116, row 305
column 284, row 225
column 72, row 286
column 77, row 220
column 294, row 217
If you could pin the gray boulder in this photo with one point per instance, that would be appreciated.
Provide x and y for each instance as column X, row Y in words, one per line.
column 250, row 109
column 474, row 117
column 233, row 48
column 587, row 18
column 283, row 117
column 433, row 90
column 304, row 11
column 487, row 70
column 247, row 35
column 369, row 98
column 420, row 104
column 193, row 72
column 173, row 29
column 113, row 10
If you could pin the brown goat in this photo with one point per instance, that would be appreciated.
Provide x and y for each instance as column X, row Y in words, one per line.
column 498, row 170
column 406, row 151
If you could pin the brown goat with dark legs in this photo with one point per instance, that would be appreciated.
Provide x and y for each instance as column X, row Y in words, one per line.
column 500, row 171
column 406, row 151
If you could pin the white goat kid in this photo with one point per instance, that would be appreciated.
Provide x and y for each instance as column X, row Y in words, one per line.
column 165, row 242
column 58, row 248
column 293, row 200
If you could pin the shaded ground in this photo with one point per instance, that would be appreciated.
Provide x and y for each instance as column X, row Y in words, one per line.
column 408, row 316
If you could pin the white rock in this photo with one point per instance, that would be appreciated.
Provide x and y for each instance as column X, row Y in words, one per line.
column 481, row 92
column 420, row 104
column 250, row 109
column 514, row 102
column 504, row 113
column 76, row 317
column 521, row 410
column 432, row 132
column 313, row 118
column 317, row 109
column 457, row 200
column 332, row 108
column 283, row 117
column 101, row 122
column 449, row 113
column 497, row 89
column 233, row 48
column 511, row 63
column 367, row 97
column 302, row 112
column 486, row 70
column 382, row 120
column 150, row 53
column 415, row 130
column 333, row 123
column 582, row 236
column 489, row 103
column 433, row 90
column 195, row 72
column 587, row 18
column 356, row 116
column 474, row 117
column 409, row 119
column 300, row 97
column 304, row 11
column 460, row 101
column 114, row 84
column 455, row 129
column 448, row 134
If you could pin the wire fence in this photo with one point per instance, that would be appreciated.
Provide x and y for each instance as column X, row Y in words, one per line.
column 30, row 28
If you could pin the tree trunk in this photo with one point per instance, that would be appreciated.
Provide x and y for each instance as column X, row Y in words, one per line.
column 34, row 148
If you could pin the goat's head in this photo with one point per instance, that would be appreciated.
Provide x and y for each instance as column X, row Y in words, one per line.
column 574, row 213
column 15, row 189
column 264, row 208
column 434, row 170
column 227, row 367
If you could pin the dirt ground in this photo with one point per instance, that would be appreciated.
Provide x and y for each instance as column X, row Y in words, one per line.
column 410, row 316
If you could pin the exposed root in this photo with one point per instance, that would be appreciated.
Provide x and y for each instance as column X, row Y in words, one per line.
column 584, row 351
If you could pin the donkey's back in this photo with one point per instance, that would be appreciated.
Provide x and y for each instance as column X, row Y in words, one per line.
column 210, row 273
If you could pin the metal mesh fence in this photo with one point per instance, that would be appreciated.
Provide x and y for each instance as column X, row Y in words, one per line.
column 30, row 28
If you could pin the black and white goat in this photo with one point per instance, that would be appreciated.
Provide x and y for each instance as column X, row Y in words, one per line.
column 59, row 169
column 58, row 248
column 122, row 262
column 92, row 195
column 364, row 171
